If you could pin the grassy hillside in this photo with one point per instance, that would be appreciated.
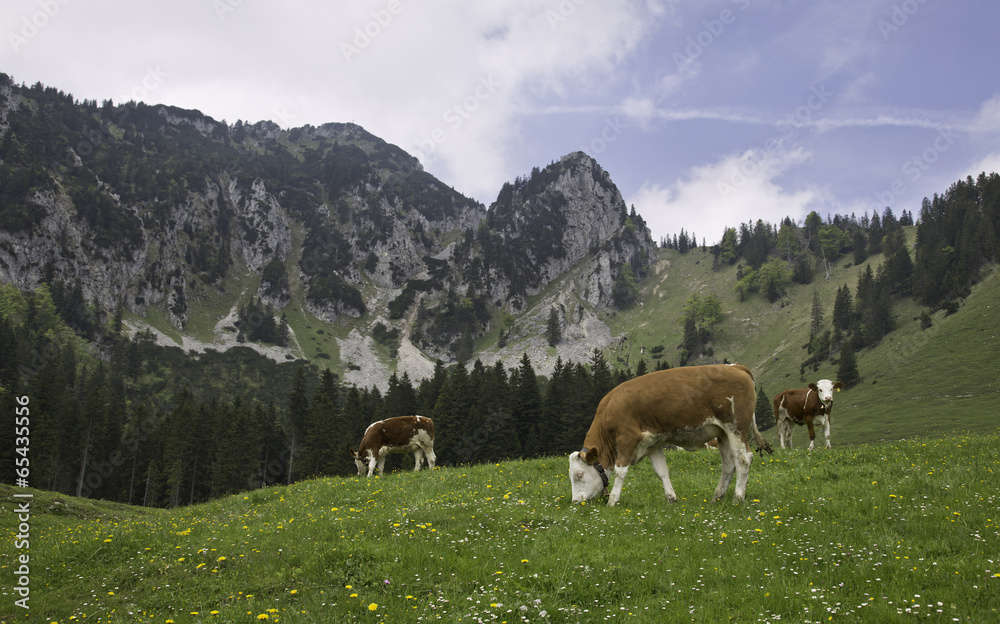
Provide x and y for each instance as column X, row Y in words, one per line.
column 901, row 531
column 915, row 381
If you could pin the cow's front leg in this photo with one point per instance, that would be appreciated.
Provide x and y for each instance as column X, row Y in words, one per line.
column 418, row 459
column 381, row 465
column 812, row 434
column 659, row 462
column 826, row 431
column 616, row 490
column 372, row 463
column 727, row 452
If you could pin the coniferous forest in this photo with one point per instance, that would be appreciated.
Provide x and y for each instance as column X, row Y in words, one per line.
column 121, row 418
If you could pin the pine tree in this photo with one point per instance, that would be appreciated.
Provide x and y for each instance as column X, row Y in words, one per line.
column 451, row 417
column 816, row 315
column 847, row 372
column 295, row 419
column 319, row 437
column 764, row 411
column 553, row 329
column 495, row 434
column 526, row 404
column 843, row 307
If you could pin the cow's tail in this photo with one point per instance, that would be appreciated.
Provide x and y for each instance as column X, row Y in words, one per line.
column 758, row 439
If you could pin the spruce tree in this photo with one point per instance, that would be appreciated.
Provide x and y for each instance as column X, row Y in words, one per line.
column 764, row 411
column 553, row 330
column 816, row 315
column 295, row 420
column 847, row 372
column 526, row 403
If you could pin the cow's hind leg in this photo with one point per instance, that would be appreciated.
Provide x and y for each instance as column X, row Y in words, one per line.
column 744, row 457
column 659, row 462
column 727, row 451
column 784, row 430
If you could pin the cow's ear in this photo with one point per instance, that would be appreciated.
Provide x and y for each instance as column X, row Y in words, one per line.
column 837, row 386
column 589, row 455
column 353, row 452
column 814, row 387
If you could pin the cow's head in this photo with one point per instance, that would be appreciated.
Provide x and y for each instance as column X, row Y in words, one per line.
column 356, row 456
column 586, row 475
column 825, row 388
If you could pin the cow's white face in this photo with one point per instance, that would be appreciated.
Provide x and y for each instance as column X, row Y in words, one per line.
column 584, row 479
column 825, row 389
column 362, row 466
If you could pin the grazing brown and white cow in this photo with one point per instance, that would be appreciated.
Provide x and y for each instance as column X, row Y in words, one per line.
column 806, row 406
column 683, row 406
column 403, row 434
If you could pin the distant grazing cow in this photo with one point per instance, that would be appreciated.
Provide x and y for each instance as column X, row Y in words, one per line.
column 684, row 406
column 403, row 434
column 805, row 406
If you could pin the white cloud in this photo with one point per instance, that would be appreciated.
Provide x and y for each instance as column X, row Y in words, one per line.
column 990, row 164
column 734, row 190
column 447, row 79
column 988, row 119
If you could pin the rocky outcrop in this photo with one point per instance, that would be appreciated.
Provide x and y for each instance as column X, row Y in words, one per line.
column 156, row 208
column 568, row 212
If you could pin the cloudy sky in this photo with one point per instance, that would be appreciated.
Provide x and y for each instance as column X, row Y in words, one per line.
column 707, row 113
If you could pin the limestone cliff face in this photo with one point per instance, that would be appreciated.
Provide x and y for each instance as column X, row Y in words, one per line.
column 159, row 206
column 156, row 209
column 568, row 212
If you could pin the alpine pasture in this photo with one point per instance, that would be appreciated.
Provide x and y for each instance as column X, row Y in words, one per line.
column 889, row 532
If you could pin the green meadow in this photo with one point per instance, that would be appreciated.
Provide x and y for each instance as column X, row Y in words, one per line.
column 903, row 531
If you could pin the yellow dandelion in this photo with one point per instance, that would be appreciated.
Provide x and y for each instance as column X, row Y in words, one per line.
column 372, row 606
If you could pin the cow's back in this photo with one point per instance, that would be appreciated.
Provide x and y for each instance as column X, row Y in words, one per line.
column 669, row 403
column 685, row 396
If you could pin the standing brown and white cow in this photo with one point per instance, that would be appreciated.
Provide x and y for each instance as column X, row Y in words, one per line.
column 403, row 434
column 683, row 406
column 806, row 406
